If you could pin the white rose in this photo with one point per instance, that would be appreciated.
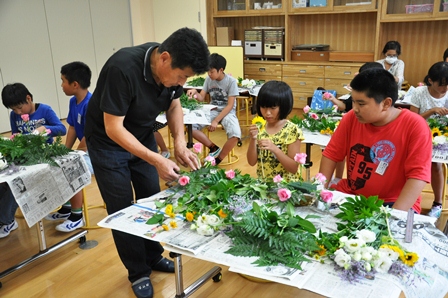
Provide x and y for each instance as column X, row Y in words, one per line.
column 354, row 245
column 393, row 255
column 382, row 264
column 212, row 220
column 205, row 230
column 366, row 235
column 342, row 241
column 357, row 256
column 368, row 267
column 193, row 227
column 342, row 259
column 201, row 220
column 438, row 140
column 367, row 256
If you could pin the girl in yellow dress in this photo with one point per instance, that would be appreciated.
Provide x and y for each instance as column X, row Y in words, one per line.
column 273, row 147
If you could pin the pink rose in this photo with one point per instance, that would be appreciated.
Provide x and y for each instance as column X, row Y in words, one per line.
column 283, row 194
column 300, row 158
column 306, row 109
column 197, row 147
column 320, row 178
column 327, row 95
column 278, row 179
column 327, row 196
column 25, row 117
column 184, row 180
column 13, row 136
column 210, row 159
column 48, row 131
column 230, row 174
column 314, row 116
column 421, row 84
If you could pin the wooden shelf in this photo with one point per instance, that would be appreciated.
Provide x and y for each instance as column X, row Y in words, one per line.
column 346, row 28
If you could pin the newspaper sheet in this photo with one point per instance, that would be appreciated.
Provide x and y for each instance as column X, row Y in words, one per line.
column 429, row 275
column 41, row 188
column 199, row 116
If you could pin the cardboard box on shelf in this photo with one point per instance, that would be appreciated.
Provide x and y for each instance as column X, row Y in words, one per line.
column 224, row 36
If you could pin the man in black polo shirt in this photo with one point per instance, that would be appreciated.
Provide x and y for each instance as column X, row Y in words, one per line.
column 134, row 86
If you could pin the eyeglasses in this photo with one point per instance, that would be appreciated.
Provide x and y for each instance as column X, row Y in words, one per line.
column 391, row 56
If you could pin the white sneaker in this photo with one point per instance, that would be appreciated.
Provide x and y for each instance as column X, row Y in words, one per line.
column 215, row 153
column 57, row 216
column 435, row 211
column 5, row 230
column 70, row 226
column 165, row 154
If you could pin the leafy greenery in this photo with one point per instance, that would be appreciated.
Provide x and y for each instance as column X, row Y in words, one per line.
column 31, row 149
column 324, row 123
column 438, row 126
column 189, row 103
column 357, row 214
column 274, row 238
column 196, row 82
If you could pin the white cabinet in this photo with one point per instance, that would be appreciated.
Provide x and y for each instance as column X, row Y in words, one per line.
column 38, row 37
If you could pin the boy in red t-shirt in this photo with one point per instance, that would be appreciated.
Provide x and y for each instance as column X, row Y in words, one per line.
column 388, row 151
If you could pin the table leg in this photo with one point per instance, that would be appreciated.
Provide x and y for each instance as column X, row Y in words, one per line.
column 180, row 292
column 308, row 163
column 43, row 250
column 189, row 135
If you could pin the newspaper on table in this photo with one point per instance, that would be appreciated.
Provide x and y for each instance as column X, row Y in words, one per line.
column 439, row 156
column 429, row 275
column 40, row 189
column 198, row 116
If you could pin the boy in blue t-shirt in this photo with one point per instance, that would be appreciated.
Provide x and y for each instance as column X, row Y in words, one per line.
column 75, row 78
column 37, row 118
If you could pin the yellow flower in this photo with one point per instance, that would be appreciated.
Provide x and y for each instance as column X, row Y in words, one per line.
column 222, row 214
column 173, row 224
column 260, row 122
column 409, row 258
column 321, row 251
column 165, row 227
column 189, row 216
column 436, row 132
column 172, row 215
column 169, row 209
column 394, row 248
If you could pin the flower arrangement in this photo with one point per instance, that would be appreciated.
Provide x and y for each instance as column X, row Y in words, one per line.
column 275, row 238
column 32, row 148
column 318, row 121
column 247, row 83
column 196, row 82
column 439, row 131
column 364, row 244
column 189, row 103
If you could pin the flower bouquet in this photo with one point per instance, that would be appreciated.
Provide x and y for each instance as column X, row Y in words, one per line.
column 439, row 131
column 32, row 148
column 364, row 244
column 324, row 122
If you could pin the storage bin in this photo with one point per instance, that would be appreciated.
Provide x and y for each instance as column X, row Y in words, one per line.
column 419, row 8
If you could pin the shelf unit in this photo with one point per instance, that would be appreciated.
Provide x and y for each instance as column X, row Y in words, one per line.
column 358, row 26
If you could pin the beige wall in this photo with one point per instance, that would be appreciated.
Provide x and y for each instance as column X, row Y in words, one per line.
column 155, row 20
